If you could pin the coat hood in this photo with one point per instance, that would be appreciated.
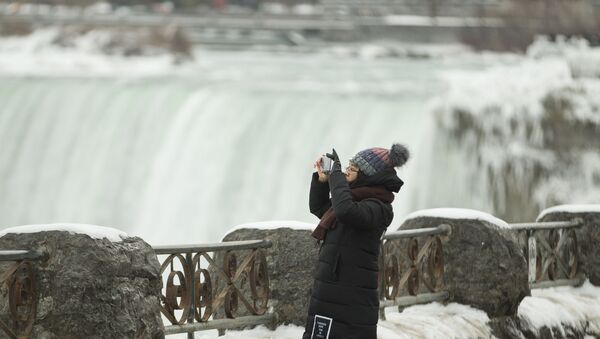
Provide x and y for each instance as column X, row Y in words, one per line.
column 386, row 178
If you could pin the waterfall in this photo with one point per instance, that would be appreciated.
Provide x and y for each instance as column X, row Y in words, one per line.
column 181, row 158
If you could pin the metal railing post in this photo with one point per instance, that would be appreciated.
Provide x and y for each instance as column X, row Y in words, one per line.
column 192, row 314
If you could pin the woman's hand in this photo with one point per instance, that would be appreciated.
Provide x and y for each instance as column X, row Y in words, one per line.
column 337, row 166
column 323, row 177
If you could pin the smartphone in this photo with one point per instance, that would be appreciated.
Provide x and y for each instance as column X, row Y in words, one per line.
column 326, row 164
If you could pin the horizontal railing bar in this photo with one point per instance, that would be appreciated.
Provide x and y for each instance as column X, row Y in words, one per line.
column 221, row 246
column 419, row 232
column 547, row 225
column 423, row 298
column 15, row 255
column 222, row 324
column 560, row 282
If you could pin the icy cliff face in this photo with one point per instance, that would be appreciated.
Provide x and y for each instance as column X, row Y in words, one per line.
column 514, row 139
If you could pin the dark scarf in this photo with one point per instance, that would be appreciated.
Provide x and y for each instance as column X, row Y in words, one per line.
column 328, row 220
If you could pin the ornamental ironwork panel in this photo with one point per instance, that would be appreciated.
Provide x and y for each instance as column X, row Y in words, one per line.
column 190, row 292
column 20, row 280
column 552, row 252
column 412, row 266
column 555, row 254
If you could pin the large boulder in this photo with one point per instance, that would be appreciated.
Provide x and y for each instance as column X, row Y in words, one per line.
column 480, row 254
column 291, row 263
column 90, row 287
column 588, row 236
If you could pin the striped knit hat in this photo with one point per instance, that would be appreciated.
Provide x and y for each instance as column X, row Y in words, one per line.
column 373, row 160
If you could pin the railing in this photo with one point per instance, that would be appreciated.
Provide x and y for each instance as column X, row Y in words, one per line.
column 190, row 297
column 22, row 291
column 408, row 267
column 552, row 253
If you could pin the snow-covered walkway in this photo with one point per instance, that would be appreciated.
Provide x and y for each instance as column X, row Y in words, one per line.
column 553, row 307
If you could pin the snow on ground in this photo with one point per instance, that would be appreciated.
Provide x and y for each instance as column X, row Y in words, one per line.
column 576, row 307
column 96, row 232
column 551, row 307
column 261, row 332
column 457, row 213
column 591, row 208
column 435, row 320
column 271, row 225
column 421, row 321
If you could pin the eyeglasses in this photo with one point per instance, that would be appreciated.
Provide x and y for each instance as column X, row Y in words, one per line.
column 351, row 169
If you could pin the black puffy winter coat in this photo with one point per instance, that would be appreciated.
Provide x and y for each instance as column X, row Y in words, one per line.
column 345, row 283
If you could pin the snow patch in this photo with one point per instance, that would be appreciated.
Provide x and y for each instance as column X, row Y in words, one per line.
column 96, row 232
column 435, row 320
column 275, row 224
column 577, row 307
column 457, row 213
column 259, row 332
column 283, row 332
column 584, row 208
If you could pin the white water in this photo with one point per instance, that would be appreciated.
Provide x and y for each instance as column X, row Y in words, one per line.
column 167, row 157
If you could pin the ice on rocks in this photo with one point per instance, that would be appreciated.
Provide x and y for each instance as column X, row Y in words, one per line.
column 576, row 307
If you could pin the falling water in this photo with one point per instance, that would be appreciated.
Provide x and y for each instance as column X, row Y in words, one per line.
column 182, row 155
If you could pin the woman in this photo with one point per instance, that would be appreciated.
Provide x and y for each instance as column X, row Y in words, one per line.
column 344, row 302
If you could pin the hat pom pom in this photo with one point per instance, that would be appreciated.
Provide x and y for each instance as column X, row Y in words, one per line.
column 398, row 155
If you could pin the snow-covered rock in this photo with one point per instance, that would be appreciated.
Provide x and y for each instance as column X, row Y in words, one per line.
column 272, row 225
column 478, row 255
column 93, row 231
column 457, row 213
column 90, row 286
column 570, row 209
column 570, row 311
